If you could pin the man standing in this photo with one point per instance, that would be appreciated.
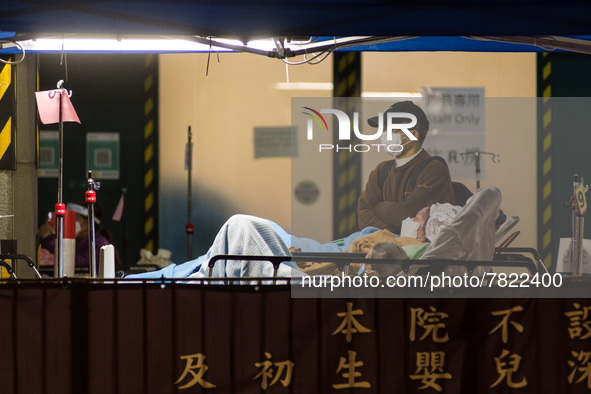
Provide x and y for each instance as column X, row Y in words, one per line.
column 391, row 194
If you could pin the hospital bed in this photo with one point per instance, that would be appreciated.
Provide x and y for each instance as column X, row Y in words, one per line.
column 466, row 246
column 471, row 236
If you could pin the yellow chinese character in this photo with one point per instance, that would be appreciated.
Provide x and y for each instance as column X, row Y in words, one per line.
column 269, row 373
column 195, row 362
column 430, row 369
column 580, row 324
column 351, row 374
column 505, row 320
column 584, row 366
column 506, row 369
column 350, row 325
column 431, row 322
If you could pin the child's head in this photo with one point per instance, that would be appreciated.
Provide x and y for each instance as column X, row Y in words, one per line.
column 386, row 250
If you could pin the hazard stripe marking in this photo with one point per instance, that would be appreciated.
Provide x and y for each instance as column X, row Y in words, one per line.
column 150, row 152
column 347, row 165
column 5, row 137
column 545, row 183
column 7, row 119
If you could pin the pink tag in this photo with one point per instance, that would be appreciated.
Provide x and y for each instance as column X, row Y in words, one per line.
column 48, row 105
column 119, row 210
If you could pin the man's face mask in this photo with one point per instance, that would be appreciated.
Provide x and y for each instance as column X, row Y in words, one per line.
column 409, row 228
column 398, row 146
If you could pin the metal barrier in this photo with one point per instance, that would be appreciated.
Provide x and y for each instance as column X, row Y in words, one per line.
column 15, row 256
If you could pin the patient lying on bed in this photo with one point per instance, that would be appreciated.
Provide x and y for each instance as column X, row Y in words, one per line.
column 249, row 235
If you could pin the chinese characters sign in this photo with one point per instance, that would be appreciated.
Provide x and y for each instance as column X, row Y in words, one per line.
column 184, row 339
column 457, row 125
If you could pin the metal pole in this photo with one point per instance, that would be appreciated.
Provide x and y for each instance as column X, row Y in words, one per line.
column 189, row 228
column 577, row 241
column 90, row 197
column 495, row 158
column 60, row 208
column 477, row 160
column 125, row 239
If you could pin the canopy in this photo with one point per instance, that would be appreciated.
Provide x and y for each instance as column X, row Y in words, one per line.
column 248, row 18
column 442, row 25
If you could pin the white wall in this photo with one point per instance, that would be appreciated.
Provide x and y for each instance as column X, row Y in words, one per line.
column 222, row 109
column 239, row 94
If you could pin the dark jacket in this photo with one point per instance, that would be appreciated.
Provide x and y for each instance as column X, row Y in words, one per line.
column 386, row 208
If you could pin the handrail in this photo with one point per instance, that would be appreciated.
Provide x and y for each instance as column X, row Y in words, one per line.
column 16, row 256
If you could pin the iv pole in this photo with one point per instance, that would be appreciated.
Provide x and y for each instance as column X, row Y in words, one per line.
column 60, row 207
column 495, row 158
column 46, row 115
column 579, row 206
column 90, row 197
column 189, row 228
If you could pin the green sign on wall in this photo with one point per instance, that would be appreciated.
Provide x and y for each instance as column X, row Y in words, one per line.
column 102, row 155
column 48, row 154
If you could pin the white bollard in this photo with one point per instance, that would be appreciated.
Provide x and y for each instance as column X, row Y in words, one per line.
column 70, row 244
column 107, row 262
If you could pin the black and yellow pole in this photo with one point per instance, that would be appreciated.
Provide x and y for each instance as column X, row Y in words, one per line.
column 150, row 152
column 545, row 161
column 346, row 163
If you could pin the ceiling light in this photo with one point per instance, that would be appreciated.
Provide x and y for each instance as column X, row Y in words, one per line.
column 391, row 94
column 304, row 86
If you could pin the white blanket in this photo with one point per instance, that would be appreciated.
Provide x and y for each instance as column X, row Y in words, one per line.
column 471, row 235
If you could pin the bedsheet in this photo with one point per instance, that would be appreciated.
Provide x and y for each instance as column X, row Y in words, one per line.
column 250, row 235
